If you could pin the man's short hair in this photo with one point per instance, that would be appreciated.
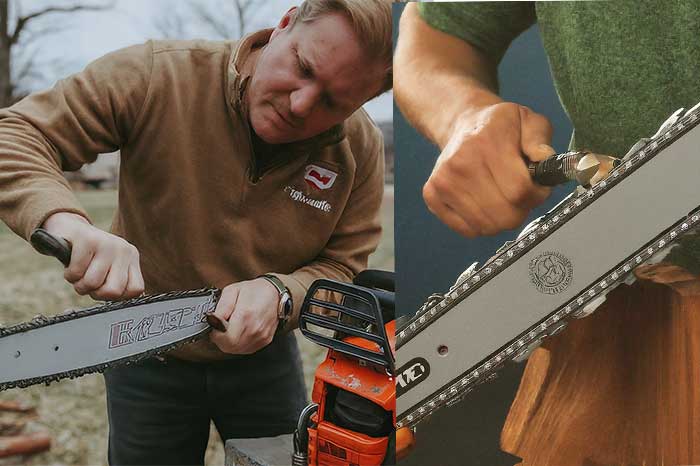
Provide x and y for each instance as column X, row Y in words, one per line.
column 371, row 20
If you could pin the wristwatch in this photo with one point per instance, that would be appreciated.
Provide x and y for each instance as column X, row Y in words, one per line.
column 284, row 309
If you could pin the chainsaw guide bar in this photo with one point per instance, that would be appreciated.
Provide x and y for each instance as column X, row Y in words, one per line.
column 85, row 341
column 557, row 269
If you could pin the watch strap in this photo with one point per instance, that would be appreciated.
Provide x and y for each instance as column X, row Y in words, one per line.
column 282, row 290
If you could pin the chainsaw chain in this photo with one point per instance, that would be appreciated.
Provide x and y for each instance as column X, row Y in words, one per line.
column 437, row 305
column 43, row 321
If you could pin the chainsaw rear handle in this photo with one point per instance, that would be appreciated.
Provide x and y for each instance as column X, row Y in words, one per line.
column 381, row 284
column 49, row 245
column 373, row 278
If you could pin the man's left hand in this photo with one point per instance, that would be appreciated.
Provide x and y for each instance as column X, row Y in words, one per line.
column 250, row 307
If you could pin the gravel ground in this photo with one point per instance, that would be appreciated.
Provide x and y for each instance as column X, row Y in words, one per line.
column 74, row 411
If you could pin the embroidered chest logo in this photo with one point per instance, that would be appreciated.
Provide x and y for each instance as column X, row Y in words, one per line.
column 298, row 196
column 319, row 178
column 551, row 272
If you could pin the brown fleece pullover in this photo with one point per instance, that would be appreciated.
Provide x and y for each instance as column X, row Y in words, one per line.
column 191, row 198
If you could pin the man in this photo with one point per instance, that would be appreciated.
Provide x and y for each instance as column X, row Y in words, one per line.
column 238, row 160
column 599, row 393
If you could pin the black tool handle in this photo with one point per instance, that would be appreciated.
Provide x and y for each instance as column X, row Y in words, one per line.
column 50, row 245
column 549, row 172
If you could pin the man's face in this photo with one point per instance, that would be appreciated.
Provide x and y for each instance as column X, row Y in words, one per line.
column 310, row 77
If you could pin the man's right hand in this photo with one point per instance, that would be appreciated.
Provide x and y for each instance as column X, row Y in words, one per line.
column 102, row 265
column 446, row 88
column 480, row 184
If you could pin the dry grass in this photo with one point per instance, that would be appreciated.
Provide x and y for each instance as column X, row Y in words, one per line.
column 74, row 411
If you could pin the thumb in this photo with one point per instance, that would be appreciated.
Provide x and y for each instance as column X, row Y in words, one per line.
column 535, row 135
column 227, row 303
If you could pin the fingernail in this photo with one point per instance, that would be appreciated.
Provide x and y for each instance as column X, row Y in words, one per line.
column 547, row 148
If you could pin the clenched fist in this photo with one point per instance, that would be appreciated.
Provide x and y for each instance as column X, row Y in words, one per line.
column 480, row 184
column 102, row 265
column 250, row 307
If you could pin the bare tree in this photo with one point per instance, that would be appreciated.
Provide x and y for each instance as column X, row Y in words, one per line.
column 14, row 32
column 224, row 19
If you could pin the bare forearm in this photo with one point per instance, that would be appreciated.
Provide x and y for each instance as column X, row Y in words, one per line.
column 439, row 77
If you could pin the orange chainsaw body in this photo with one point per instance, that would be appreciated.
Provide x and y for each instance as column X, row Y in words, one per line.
column 331, row 445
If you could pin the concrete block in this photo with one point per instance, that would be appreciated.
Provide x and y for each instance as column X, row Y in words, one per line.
column 270, row 451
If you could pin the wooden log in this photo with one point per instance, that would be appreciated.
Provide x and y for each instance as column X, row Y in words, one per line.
column 25, row 444
column 619, row 387
column 12, row 427
column 16, row 406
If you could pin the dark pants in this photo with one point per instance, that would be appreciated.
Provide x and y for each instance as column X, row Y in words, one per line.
column 160, row 412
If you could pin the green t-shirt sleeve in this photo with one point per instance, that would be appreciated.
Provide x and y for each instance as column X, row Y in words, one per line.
column 488, row 26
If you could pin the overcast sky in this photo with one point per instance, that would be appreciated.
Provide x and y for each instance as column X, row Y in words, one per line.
column 85, row 36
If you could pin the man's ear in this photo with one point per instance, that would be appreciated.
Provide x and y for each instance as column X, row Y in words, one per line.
column 286, row 22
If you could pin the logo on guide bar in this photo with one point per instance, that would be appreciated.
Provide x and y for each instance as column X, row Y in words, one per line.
column 411, row 374
column 127, row 332
column 551, row 272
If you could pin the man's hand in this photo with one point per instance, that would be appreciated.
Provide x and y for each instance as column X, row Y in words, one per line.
column 102, row 265
column 446, row 88
column 480, row 184
column 250, row 307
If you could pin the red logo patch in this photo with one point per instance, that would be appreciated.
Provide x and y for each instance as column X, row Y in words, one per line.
column 319, row 178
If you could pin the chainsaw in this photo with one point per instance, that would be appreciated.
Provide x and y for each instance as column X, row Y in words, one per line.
column 352, row 417
column 84, row 341
column 553, row 271
column 351, row 420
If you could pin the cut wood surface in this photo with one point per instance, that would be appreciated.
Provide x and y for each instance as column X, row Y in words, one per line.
column 619, row 387
column 18, row 406
column 11, row 427
column 24, row 444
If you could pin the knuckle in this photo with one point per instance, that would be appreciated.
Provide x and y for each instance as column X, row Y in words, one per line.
column 462, row 164
column 542, row 195
column 540, row 120
column 462, row 228
column 490, row 230
column 469, row 232
column 514, row 220
column 110, row 292
column 72, row 276
column 125, row 246
column 428, row 192
column 90, row 283
column 516, row 192
column 229, row 289
column 546, row 124
column 440, row 184
column 225, row 346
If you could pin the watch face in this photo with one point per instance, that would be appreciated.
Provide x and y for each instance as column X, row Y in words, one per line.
column 285, row 306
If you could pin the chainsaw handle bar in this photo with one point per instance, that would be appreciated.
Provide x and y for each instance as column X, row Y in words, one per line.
column 49, row 245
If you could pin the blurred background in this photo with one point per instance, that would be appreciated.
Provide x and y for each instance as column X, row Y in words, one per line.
column 42, row 41
column 430, row 257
